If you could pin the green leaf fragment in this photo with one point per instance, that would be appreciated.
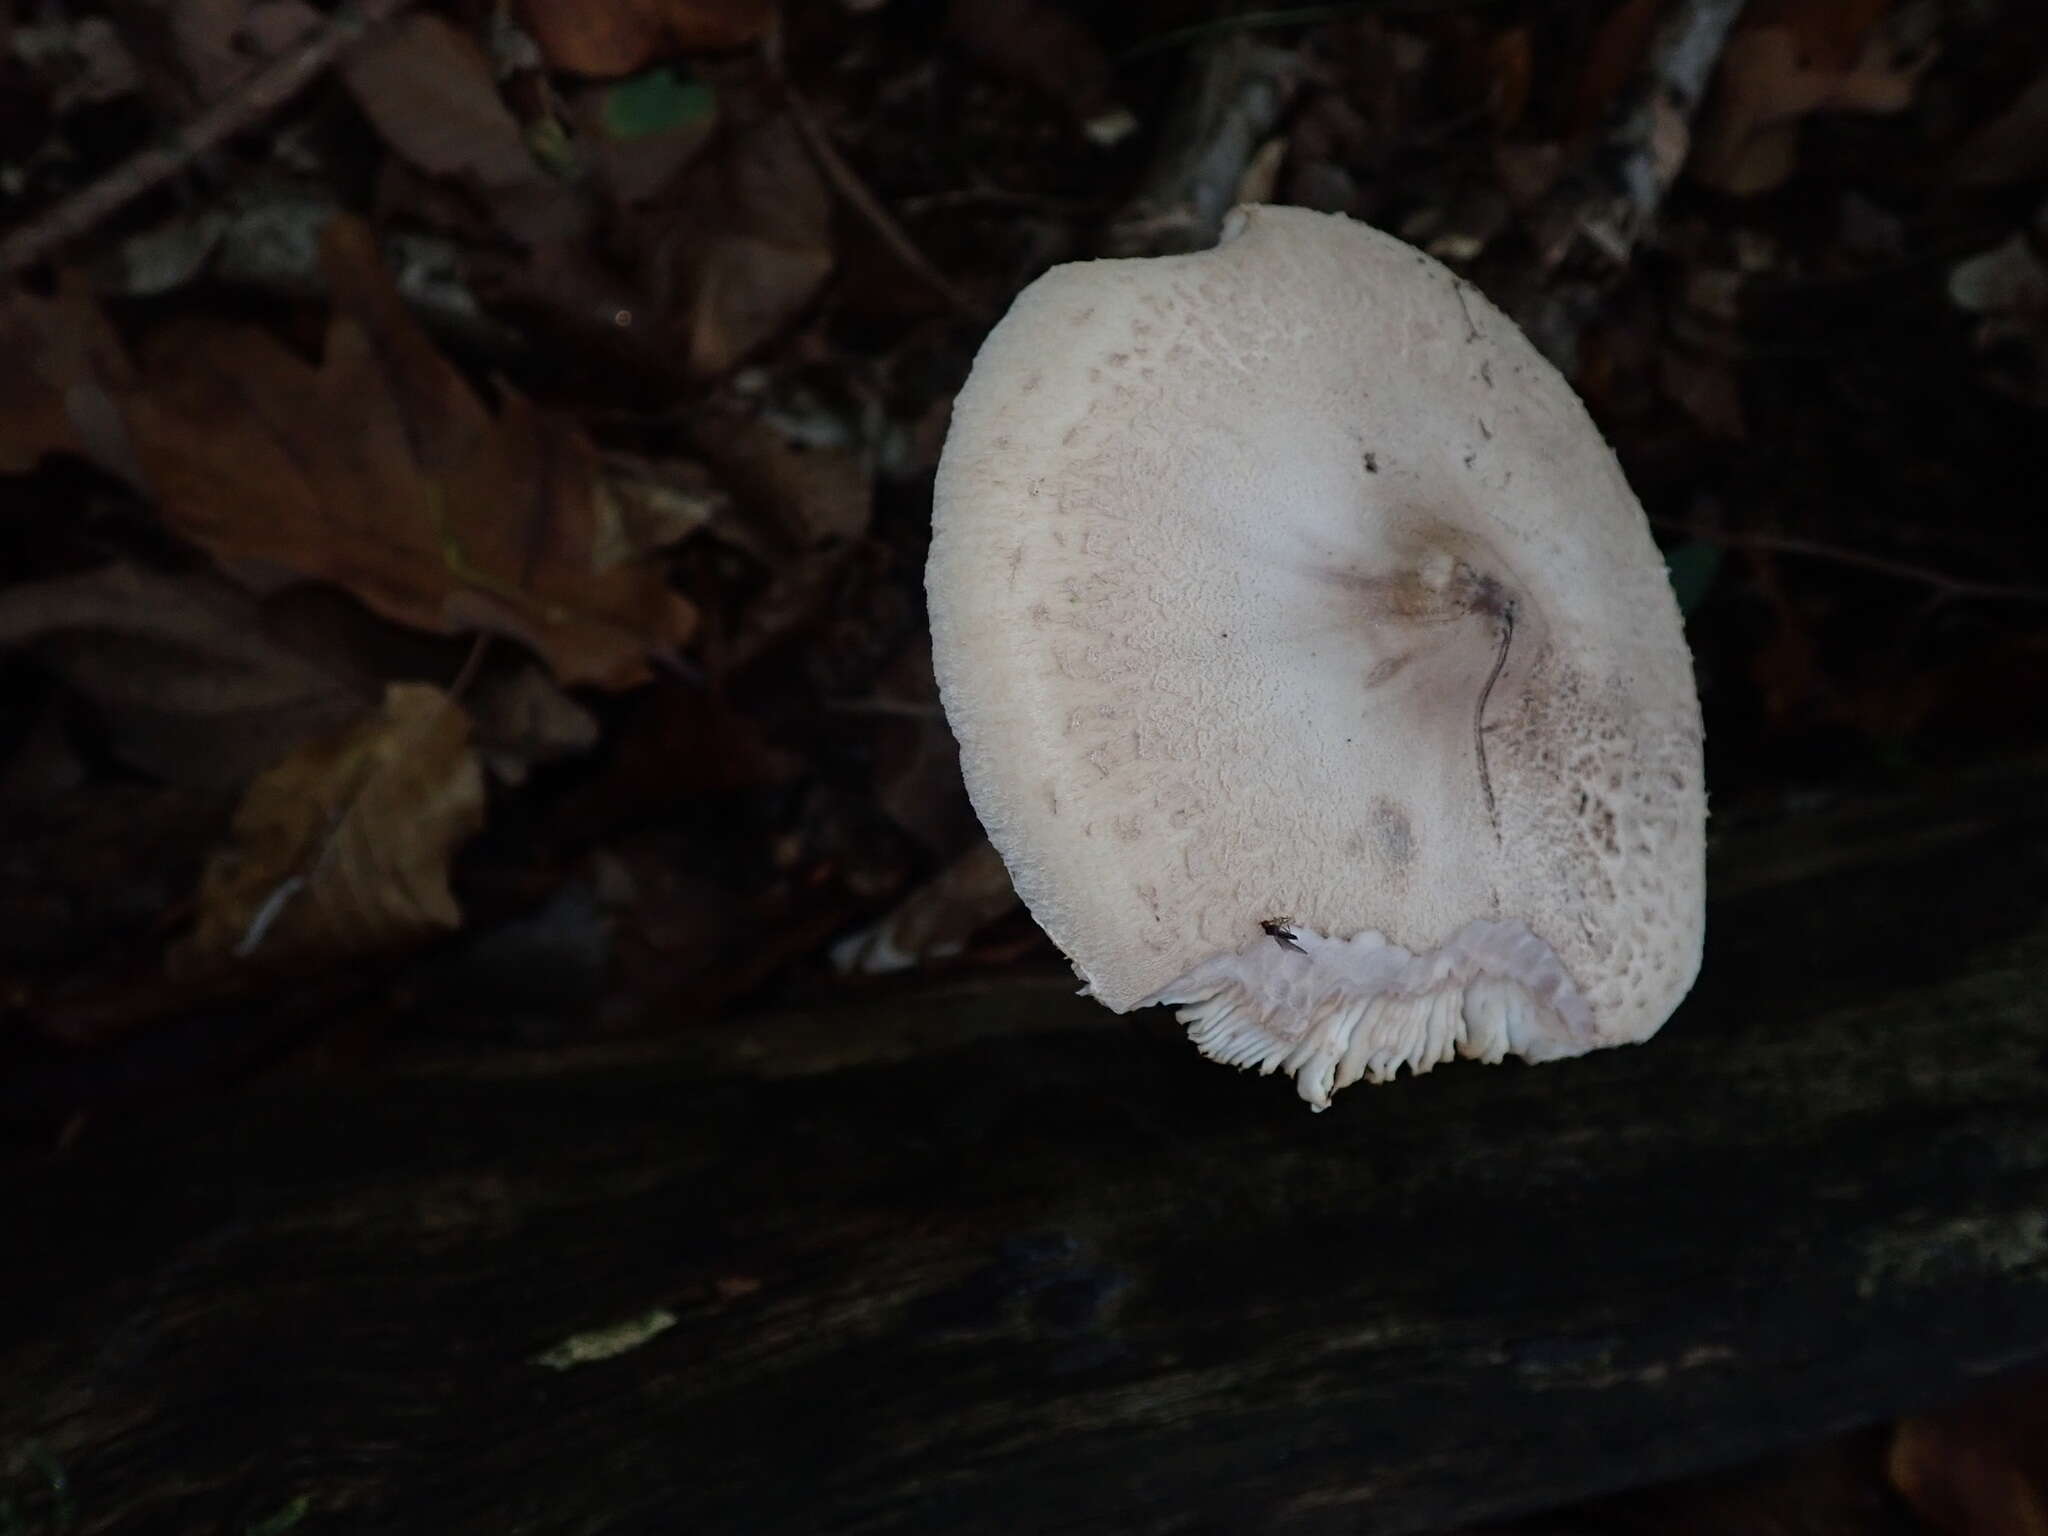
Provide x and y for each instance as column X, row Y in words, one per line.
column 656, row 102
column 284, row 1519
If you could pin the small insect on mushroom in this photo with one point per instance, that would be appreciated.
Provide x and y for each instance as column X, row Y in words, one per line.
column 1277, row 930
column 1452, row 732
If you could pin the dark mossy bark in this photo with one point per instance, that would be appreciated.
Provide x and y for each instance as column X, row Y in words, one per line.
column 986, row 1258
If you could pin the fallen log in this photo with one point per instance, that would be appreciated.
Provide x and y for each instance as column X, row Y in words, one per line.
column 982, row 1257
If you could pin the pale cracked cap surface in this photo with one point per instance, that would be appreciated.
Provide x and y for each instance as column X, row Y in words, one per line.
column 1312, row 664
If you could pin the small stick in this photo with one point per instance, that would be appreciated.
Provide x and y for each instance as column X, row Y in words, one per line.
column 1609, row 201
column 847, row 183
column 1612, row 198
column 269, row 88
column 1902, row 570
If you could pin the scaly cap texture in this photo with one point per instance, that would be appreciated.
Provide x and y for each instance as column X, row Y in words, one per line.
column 1312, row 664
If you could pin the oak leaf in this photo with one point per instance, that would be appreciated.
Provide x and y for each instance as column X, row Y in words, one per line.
column 381, row 470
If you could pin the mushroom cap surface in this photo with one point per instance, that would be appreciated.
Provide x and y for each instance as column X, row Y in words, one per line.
column 1311, row 661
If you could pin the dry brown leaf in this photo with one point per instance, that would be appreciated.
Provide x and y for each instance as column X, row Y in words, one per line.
column 1976, row 1468
column 523, row 719
column 660, row 502
column 793, row 497
column 1785, row 63
column 180, row 671
column 617, row 37
column 428, row 89
column 342, row 849
column 728, row 238
column 197, row 683
column 33, row 418
column 936, row 920
column 382, row 471
column 57, row 388
column 632, row 161
column 744, row 247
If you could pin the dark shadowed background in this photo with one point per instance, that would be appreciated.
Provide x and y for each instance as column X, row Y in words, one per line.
column 507, row 1019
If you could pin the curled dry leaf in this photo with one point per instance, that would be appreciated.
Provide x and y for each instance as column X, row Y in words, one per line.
column 343, row 848
column 743, row 246
column 524, row 720
column 427, row 88
column 795, row 495
column 57, row 392
column 616, row 37
column 184, row 677
column 1786, row 63
column 381, row 470
column 660, row 502
column 936, row 920
column 1975, row 1467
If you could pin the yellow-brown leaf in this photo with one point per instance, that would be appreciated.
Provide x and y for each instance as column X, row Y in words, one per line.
column 343, row 847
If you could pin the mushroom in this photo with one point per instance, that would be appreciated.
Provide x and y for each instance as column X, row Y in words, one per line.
column 1312, row 665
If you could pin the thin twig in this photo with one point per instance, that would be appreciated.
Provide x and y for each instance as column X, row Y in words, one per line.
column 261, row 94
column 1902, row 570
column 1609, row 201
column 1612, row 198
column 847, row 183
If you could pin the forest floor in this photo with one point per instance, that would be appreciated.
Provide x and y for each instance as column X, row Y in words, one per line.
column 465, row 473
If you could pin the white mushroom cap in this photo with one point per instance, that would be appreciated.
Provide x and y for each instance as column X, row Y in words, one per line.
column 1312, row 664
